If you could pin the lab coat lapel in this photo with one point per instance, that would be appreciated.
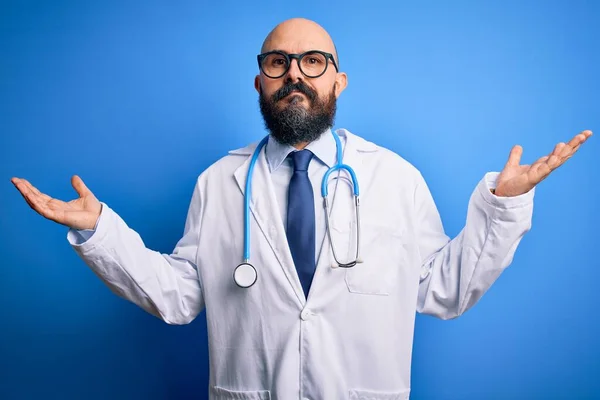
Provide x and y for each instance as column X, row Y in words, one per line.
column 264, row 208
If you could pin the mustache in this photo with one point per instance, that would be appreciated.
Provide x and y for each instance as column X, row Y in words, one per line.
column 290, row 87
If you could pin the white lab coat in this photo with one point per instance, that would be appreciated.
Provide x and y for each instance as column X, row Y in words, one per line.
column 352, row 338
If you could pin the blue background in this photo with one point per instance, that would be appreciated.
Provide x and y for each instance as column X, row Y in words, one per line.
column 139, row 97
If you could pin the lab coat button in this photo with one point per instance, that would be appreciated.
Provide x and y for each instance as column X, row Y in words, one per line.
column 306, row 314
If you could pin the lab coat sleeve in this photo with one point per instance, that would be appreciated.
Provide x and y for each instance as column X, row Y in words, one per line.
column 165, row 285
column 456, row 273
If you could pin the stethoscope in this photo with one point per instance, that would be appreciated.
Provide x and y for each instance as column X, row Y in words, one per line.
column 245, row 274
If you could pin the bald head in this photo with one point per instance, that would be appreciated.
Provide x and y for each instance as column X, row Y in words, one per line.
column 300, row 35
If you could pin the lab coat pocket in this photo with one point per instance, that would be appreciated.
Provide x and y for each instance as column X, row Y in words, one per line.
column 219, row 393
column 382, row 254
column 358, row 394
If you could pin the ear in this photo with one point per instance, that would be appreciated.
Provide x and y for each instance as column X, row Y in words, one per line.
column 341, row 81
column 257, row 83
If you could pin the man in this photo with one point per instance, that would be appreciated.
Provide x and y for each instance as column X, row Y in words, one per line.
column 308, row 327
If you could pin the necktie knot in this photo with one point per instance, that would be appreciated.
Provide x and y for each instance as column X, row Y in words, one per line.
column 301, row 160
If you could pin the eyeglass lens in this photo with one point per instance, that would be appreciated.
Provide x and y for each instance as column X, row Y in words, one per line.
column 311, row 64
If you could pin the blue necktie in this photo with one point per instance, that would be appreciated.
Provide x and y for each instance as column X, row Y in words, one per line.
column 301, row 219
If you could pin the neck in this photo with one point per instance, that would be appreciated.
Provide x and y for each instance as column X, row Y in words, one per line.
column 301, row 146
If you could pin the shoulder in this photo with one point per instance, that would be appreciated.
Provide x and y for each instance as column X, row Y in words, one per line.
column 225, row 167
column 379, row 157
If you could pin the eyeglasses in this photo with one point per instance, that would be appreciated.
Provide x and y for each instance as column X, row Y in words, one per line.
column 313, row 63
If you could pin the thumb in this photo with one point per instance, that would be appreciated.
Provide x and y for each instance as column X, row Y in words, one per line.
column 80, row 187
column 515, row 156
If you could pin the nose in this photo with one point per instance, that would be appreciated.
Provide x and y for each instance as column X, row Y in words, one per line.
column 294, row 74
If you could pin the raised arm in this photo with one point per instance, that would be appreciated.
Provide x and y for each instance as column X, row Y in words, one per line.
column 165, row 285
column 456, row 273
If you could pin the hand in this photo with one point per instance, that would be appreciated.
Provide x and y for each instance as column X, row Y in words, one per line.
column 81, row 213
column 518, row 179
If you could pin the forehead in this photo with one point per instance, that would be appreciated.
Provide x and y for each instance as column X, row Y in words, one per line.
column 297, row 38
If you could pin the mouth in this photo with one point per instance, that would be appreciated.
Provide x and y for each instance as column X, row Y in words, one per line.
column 293, row 98
column 296, row 93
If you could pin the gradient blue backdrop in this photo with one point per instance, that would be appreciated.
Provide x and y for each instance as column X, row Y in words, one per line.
column 139, row 97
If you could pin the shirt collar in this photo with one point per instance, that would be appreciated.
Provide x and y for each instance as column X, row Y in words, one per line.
column 323, row 148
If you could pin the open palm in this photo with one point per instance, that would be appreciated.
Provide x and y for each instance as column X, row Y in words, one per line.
column 516, row 179
column 81, row 213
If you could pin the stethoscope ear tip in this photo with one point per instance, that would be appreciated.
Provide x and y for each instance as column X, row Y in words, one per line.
column 359, row 260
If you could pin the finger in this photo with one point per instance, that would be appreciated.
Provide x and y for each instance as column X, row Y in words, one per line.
column 540, row 170
column 80, row 187
column 569, row 151
column 35, row 191
column 558, row 148
column 27, row 200
column 578, row 140
column 34, row 200
column 576, row 148
column 540, row 160
column 23, row 188
column 571, row 148
column 514, row 157
column 553, row 162
column 558, row 157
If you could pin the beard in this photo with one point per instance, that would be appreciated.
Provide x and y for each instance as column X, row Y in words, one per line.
column 292, row 123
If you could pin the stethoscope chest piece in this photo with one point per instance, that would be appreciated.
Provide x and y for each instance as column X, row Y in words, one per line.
column 245, row 275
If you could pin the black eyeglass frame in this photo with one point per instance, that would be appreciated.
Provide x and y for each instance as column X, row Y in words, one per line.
column 298, row 57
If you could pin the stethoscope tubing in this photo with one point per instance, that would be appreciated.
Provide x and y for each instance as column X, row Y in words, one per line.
column 247, row 198
column 246, row 266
